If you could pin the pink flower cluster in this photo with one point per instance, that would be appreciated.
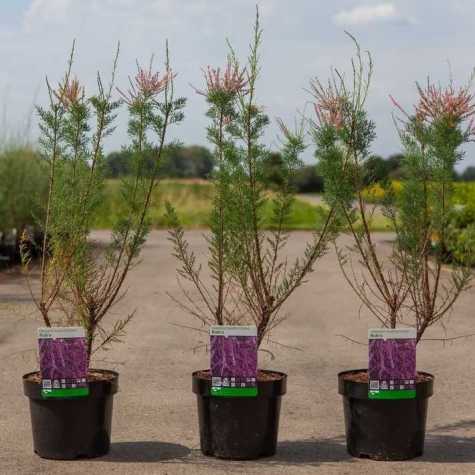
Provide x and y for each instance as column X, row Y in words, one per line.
column 329, row 105
column 436, row 102
column 284, row 129
column 146, row 84
column 69, row 92
column 231, row 81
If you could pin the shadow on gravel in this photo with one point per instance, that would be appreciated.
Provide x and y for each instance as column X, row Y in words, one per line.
column 450, row 448
column 15, row 298
column 439, row 448
column 308, row 452
column 145, row 452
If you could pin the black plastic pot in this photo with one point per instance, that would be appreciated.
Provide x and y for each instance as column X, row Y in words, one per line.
column 72, row 428
column 384, row 429
column 239, row 428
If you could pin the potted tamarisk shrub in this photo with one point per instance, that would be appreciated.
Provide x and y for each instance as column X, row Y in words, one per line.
column 70, row 401
column 407, row 290
column 249, row 277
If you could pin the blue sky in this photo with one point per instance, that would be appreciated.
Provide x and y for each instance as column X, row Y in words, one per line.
column 12, row 12
column 302, row 39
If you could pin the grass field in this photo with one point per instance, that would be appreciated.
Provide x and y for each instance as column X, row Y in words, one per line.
column 192, row 200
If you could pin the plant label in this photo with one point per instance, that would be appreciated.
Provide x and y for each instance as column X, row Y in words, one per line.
column 63, row 362
column 233, row 361
column 392, row 363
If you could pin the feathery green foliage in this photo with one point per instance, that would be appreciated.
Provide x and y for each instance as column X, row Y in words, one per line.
column 408, row 286
column 432, row 139
column 251, row 279
column 80, row 284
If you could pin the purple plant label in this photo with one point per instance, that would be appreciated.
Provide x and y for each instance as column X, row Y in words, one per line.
column 392, row 363
column 233, row 361
column 63, row 362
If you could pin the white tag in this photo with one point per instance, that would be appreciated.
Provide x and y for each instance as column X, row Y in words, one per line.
column 233, row 330
column 45, row 333
column 392, row 334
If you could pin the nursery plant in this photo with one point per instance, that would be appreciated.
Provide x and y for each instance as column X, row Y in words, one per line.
column 249, row 279
column 407, row 286
column 81, row 282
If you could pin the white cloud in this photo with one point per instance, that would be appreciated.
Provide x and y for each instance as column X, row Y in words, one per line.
column 364, row 14
column 46, row 11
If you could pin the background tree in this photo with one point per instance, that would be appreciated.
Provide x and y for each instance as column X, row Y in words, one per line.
column 192, row 161
column 376, row 170
column 23, row 190
column 468, row 174
column 394, row 166
column 307, row 179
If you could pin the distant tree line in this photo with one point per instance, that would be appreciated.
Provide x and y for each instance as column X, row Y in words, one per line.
column 178, row 161
column 23, row 181
column 379, row 169
column 196, row 161
column 467, row 175
column 307, row 179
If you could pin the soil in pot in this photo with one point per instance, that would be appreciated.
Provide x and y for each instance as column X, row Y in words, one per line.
column 240, row 428
column 384, row 429
column 72, row 428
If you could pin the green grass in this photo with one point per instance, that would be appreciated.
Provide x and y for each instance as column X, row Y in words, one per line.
column 380, row 223
column 192, row 200
column 464, row 193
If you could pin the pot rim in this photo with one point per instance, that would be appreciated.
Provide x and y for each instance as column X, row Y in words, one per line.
column 275, row 388
column 97, row 389
column 358, row 390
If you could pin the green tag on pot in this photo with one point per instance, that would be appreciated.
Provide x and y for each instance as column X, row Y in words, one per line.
column 392, row 363
column 233, row 361
column 63, row 362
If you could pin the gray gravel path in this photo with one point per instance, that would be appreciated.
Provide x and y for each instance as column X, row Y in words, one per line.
column 155, row 420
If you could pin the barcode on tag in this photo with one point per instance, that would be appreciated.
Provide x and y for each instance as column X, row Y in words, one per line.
column 374, row 385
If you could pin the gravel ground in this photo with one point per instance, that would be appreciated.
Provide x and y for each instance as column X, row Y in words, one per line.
column 155, row 428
